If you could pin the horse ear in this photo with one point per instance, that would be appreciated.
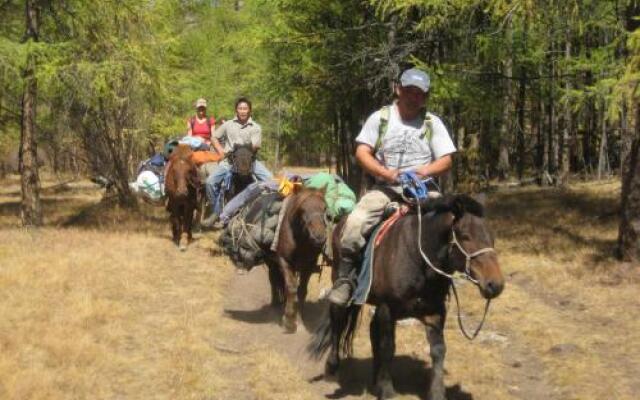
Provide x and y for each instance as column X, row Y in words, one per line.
column 458, row 206
column 465, row 203
column 480, row 198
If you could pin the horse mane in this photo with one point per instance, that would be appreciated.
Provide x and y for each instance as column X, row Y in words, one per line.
column 182, row 152
column 301, row 196
column 458, row 204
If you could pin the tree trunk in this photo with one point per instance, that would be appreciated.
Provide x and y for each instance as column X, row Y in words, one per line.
column 31, row 209
column 506, row 127
column 566, row 136
column 520, row 141
column 626, row 138
column 629, row 232
column 603, row 156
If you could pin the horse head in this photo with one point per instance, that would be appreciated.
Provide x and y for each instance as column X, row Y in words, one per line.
column 241, row 159
column 181, row 173
column 309, row 210
column 471, row 243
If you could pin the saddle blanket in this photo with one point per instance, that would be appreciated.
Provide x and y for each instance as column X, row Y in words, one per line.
column 365, row 275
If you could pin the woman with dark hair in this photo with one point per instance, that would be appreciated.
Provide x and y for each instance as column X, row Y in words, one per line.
column 241, row 130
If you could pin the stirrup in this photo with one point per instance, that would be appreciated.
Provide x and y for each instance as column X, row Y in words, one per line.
column 348, row 281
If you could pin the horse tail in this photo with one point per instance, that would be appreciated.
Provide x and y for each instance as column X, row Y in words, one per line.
column 349, row 329
column 321, row 339
column 339, row 321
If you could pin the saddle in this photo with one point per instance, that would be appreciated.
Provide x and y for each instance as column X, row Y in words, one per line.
column 414, row 190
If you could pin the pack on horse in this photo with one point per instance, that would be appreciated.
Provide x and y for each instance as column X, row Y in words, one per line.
column 411, row 278
column 302, row 236
column 181, row 186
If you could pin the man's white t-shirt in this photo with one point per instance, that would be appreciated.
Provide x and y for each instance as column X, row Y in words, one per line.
column 405, row 145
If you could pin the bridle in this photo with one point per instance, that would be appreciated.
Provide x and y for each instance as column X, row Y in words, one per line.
column 466, row 275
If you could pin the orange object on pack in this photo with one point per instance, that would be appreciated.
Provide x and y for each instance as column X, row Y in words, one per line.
column 203, row 157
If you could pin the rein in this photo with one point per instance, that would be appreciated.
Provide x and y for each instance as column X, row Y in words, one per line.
column 466, row 275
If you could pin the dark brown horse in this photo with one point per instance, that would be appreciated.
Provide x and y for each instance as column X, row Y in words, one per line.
column 241, row 159
column 181, row 186
column 302, row 236
column 409, row 280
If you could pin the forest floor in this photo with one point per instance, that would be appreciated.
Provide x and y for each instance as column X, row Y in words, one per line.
column 99, row 304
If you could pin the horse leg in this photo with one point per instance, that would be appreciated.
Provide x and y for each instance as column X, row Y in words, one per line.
column 188, row 222
column 434, row 325
column 305, row 275
column 175, row 227
column 291, row 294
column 276, row 282
column 182, row 225
column 338, row 317
column 374, row 337
column 384, row 332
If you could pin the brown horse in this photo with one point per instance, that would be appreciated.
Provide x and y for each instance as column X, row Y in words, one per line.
column 410, row 269
column 302, row 236
column 181, row 186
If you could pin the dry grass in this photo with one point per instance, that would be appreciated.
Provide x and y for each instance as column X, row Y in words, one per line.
column 99, row 304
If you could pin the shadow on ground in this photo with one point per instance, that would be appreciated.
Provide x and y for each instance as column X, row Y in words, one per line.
column 312, row 314
column 410, row 377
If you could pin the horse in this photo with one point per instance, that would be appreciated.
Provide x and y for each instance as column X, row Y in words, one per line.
column 181, row 186
column 412, row 278
column 241, row 159
column 302, row 236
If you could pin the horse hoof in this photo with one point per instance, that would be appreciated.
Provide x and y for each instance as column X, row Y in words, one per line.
column 331, row 371
column 437, row 394
column 290, row 326
column 183, row 247
column 386, row 392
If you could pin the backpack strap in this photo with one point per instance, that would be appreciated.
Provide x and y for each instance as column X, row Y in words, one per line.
column 427, row 127
column 382, row 128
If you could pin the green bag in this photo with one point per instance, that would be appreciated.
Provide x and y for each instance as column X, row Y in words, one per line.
column 339, row 197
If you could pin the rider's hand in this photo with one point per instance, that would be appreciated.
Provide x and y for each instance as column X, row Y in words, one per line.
column 423, row 171
column 391, row 175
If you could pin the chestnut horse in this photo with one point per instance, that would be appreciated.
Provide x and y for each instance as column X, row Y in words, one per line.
column 412, row 270
column 181, row 186
column 302, row 236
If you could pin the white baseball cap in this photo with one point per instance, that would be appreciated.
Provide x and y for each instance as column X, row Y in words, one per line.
column 417, row 78
column 201, row 103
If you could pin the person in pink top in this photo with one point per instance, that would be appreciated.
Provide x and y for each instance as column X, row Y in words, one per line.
column 200, row 125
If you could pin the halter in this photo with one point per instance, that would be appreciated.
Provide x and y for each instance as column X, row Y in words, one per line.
column 469, row 257
column 466, row 275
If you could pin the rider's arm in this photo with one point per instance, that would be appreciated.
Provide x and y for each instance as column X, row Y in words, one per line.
column 216, row 145
column 435, row 168
column 364, row 155
column 256, row 137
column 215, row 138
column 189, row 130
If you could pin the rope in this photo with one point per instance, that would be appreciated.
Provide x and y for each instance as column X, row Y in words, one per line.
column 466, row 275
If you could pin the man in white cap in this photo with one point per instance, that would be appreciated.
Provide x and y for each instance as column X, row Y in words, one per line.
column 397, row 138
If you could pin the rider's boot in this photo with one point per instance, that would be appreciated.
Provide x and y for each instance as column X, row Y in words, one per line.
column 210, row 220
column 340, row 294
